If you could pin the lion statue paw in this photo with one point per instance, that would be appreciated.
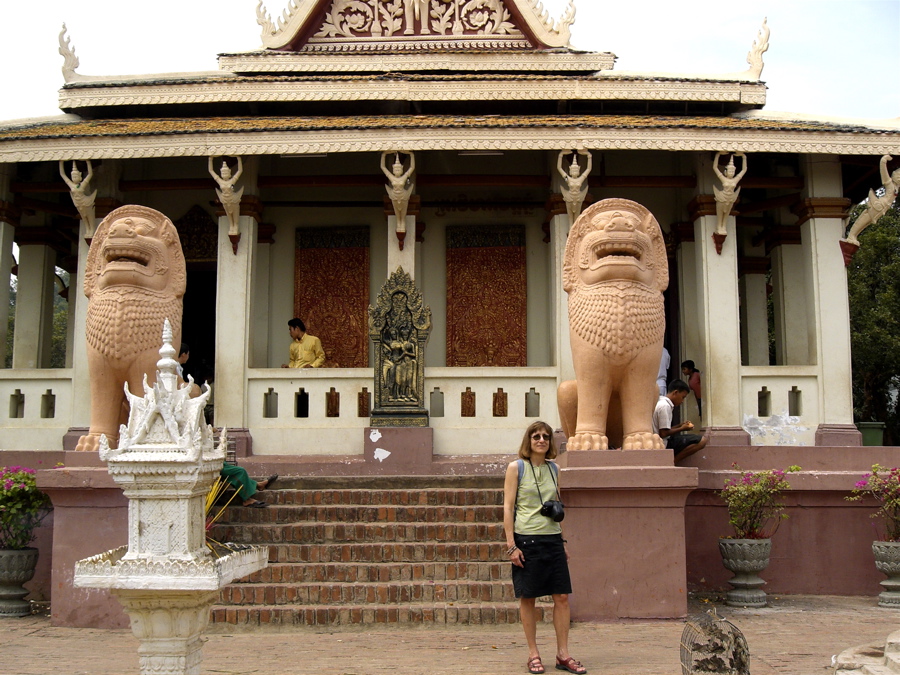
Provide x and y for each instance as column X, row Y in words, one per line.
column 588, row 440
column 89, row 443
column 643, row 441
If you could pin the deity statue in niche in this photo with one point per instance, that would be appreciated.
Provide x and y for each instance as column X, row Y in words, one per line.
column 399, row 189
column 416, row 10
column 228, row 196
column 399, row 326
column 575, row 181
column 78, row 188
column 728, row 195
column 400, row 354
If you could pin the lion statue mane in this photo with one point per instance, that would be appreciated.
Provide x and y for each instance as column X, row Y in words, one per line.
column 614, row 270
column 135, row 279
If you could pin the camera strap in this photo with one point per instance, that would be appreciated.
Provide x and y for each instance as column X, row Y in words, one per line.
column 552, row 477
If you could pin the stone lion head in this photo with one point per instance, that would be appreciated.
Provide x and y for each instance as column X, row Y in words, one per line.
column 615, row 240
column 139, row 247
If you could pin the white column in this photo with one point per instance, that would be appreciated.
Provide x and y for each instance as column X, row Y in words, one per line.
column 81, row 377
column 689, row 307
column 8, row 221
column 407, row 257
column 821, row 227
column 754, row 320
column 34, row 307
column 559, row 232
column 790, row 289
column 234, row 293
column 719, row 320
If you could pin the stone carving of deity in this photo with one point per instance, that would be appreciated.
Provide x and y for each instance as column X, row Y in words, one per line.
column 399, row 326
column 728, row 195
column 228, row 196
column 83, row 201
column 876, row 205
column 575, row 182
column 398, row 342
column 399, row 188
column 416, row 11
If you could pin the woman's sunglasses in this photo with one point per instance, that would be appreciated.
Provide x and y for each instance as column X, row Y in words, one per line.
column 540, row 437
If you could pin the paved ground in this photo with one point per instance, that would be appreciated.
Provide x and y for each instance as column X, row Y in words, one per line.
column 796, row 635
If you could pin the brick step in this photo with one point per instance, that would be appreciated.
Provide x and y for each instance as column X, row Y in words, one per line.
column 380, row 553
column 320, row 533
column 382, row 572
column 384, row 497
column 341, row 615
column 358, row 593
column 290, row 513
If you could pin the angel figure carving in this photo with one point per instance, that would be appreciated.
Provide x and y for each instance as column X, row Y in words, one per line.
column 228, row 196
column 576, row 182
column 728, row 195
column 78, row 188
column 399, row 188
column 876, row 205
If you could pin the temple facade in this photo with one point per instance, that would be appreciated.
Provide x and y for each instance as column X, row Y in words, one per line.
column 507, row 126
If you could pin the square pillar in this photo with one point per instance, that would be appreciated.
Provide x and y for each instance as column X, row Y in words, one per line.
column 233, row 328
column 793, row 343
column 8, row 222
column 821, row 218
column 754, row 320
column 81, row 378
column 34, row 306
column 718, row 316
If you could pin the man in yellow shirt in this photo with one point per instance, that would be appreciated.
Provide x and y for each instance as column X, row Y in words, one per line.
column 306, row 349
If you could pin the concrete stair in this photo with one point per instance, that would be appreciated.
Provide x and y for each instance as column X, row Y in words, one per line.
column 374, row 550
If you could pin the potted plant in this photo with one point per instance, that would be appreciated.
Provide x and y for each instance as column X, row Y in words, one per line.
column 755, row 509
column 883, row 485
column 22, row 508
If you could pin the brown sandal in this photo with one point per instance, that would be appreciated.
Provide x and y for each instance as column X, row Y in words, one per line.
column 571, row 665
column 535, row 665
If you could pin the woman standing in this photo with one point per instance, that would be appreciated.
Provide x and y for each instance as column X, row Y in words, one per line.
column 535, row 544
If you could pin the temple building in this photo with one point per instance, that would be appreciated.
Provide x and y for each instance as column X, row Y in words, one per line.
column 285, row 170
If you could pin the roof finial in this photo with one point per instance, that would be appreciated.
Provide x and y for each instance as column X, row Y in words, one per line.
column 68, row 53
column 757, row 49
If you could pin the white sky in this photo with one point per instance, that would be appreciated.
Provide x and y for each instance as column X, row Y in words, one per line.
column 826, row 57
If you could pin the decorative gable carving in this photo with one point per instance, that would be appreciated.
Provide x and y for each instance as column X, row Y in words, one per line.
column 380, row 25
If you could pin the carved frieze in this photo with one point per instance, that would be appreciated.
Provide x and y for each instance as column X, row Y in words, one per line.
column 525, row 136
column 357, row 21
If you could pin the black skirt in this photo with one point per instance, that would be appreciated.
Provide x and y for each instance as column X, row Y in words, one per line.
column 546, row 571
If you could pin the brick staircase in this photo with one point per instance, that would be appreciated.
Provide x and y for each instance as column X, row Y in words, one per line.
column 427, row 549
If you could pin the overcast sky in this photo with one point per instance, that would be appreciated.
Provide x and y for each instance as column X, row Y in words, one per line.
column 826, row 57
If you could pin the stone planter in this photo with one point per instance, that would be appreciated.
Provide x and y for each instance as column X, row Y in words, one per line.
column 746, row 558
column 887, row 561
column 16, row 568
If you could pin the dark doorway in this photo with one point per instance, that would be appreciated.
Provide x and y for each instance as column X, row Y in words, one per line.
column 199, row 320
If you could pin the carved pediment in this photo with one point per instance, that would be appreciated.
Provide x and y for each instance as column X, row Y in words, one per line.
column 380, row 25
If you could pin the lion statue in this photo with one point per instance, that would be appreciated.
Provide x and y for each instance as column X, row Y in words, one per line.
column 135, row 279
column 615, row 270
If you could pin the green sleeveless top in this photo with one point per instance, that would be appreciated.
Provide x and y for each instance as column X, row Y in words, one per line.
column 528, row 505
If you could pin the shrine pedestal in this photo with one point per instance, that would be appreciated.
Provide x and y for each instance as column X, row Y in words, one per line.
column 626, row 532
column 399, row 451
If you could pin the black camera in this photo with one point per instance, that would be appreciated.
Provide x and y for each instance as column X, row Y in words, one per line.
column 553, row 510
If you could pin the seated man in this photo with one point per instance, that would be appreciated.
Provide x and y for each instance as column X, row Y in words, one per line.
column 306, row 350
column 684, row 445
column 246, row 487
